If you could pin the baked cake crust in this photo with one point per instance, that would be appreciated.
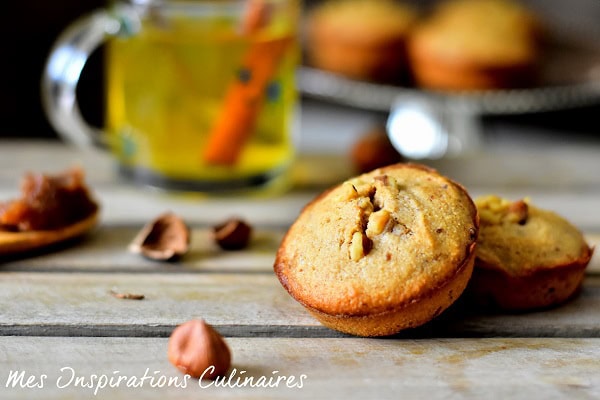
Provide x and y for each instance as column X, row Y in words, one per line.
column 381, row 252
column 527, row 257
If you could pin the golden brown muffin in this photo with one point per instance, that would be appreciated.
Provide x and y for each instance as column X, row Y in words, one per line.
column 527, row 258
column 361, row 39
column 384, row 251
column 475, row 44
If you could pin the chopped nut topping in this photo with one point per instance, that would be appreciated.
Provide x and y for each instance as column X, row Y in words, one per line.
column 518, row 212
column 365, row 204
column 495, row 210
column 377, row 223
column 360, row 245
column 373, row 218
column 384, row 179
column 363, row 189
column 348, row 192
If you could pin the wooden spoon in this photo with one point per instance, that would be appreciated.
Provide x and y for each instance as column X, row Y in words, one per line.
column 13, row 243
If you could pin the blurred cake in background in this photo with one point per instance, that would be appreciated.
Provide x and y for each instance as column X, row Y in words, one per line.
column 476, row 44
column 361, row 39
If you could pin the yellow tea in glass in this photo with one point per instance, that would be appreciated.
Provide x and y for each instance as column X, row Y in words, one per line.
column 200, row 99
column 201, row 94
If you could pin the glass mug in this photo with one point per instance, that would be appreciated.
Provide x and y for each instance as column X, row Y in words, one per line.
column 200, row 94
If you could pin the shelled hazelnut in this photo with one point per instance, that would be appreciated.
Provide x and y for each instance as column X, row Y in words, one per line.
column 198, row 350
column 233, row 234
column 373, row 150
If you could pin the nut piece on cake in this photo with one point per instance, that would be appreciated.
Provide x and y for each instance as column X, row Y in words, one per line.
column 384, row 251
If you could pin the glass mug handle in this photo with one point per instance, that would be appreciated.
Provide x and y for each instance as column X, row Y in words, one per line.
column 63, row 69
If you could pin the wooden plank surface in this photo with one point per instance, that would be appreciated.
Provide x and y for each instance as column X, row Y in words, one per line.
column 105, row 250
column 242, row 304
column 133, row 206
column 349, row 368
column 563, row 168
column 57, row 308
column 563, row 182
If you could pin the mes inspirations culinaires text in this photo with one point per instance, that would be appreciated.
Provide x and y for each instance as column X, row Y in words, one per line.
column 68, row 377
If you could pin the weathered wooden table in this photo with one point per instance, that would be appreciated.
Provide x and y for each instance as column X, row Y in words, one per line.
column 70, row 338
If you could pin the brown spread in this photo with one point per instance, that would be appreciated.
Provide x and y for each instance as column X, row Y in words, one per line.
column 48, row 202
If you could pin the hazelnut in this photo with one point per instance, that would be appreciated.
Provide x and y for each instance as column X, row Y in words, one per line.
column 377, row 222
column 373, row 150
column 518, row 212
column 196, row 349
column 360, row 245
column 348, row 192
column 384, row 179
column 234, row 234
column 165, row 238
column 364, row 203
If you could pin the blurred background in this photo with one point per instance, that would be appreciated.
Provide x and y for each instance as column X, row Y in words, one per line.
column 30, row 27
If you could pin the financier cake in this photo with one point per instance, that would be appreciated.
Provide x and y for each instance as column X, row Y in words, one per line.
column 476, row 44
column 386, row 250
column 361, row 39
column 526, row 257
